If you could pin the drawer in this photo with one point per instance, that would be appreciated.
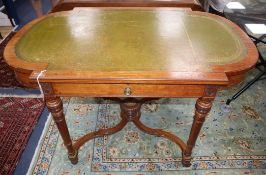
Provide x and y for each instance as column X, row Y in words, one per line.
column 128, row 90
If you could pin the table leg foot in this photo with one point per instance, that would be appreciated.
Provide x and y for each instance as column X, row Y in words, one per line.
column 186, row 160
column 73, row 157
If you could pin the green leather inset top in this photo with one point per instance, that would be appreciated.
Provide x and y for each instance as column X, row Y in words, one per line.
column 130, row 40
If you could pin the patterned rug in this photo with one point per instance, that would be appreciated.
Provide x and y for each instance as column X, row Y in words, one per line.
column 18, row 117
column 7, row 75
column 232, row 140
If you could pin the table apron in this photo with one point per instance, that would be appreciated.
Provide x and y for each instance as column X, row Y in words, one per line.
column 127, row 90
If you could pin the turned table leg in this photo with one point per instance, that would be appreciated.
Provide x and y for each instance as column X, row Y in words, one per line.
column 203, row 106
column 130, row 111
column 55, row 106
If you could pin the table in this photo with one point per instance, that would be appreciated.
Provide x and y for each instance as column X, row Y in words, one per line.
column 64, row 5
column 9, row 7
column 218, row 5
column 131, row 55
column 253, row 13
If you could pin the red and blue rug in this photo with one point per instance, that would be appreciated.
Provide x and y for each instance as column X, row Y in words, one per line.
column 18, row 117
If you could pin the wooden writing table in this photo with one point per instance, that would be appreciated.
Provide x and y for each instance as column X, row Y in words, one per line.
column 131, row 55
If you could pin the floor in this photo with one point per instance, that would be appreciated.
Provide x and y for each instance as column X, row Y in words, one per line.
column 5, row 26
column 26, row 12
column 5, row 30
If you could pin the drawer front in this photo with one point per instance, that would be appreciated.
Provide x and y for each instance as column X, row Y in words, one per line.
column 128, row 90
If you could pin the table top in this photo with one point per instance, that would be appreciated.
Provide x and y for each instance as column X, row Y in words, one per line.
column 132, row 40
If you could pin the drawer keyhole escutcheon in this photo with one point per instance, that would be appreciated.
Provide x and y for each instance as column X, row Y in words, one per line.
column 127, row 91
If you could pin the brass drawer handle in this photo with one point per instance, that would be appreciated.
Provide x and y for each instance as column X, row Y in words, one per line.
column 127, row 91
